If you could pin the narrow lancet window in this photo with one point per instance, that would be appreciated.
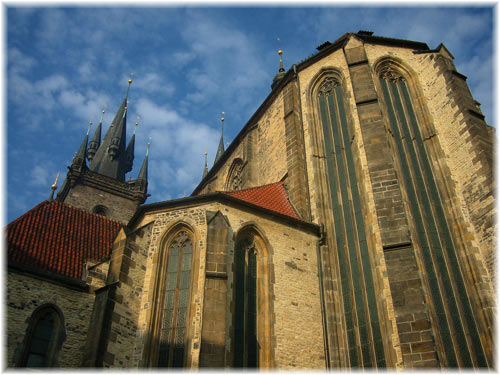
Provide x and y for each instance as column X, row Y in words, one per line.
column 176, row 302
column 246, row 349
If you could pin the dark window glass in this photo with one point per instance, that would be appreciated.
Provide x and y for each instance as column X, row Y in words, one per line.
column 245, row 320
column 176, row 302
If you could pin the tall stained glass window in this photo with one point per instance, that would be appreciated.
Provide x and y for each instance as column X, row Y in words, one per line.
column 245, row 321
column 176, row 302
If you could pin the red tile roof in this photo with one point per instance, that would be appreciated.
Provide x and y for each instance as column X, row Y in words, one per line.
column 272, row 197
column 59, row 238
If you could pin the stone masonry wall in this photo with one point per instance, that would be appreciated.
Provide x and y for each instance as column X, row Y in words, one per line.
column 86, row 198
column 26, row 293
column 263, row 148
column 297, row 340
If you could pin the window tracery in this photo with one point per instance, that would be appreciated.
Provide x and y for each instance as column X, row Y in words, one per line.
column 235, row 179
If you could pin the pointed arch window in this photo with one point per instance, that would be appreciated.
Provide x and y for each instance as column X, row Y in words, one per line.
column 246, row 347
column 235, row 179
column 173, row 333
column 44, row 338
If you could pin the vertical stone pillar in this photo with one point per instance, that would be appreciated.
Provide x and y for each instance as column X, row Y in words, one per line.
column 213, row 334
column 295, row 158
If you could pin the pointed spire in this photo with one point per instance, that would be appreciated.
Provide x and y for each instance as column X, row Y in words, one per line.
column 143, row 173
column 130, row 149
column 111, row 157
column 82, row 151
column 205, row 170
column 96, row 139
column 54, row 188
column 281, row 72
column 220, row 149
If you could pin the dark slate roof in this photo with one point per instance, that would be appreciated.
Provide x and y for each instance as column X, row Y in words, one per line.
column 272, row 197
column 58, row 238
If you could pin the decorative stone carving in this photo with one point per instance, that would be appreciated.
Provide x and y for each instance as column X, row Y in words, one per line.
column 328, row 86
column 391, row 75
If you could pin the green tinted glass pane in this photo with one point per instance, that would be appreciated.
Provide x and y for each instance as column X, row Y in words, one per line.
column 167, row 318
column 179, row 336
column 183, row 298
column 184, row 280
column 44, row 327
column 172, row 263
column 186, row 264
column 169, row 304
column 171, row 280
column 188, row 248
column 39, row 346
column 35, row 360
column 181, row 317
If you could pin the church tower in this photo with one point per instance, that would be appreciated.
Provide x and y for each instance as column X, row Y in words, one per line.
column 100, row 186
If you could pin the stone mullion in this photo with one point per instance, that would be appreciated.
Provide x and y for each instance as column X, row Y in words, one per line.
column 422, row 237
column 444, row 231
column 346, row 288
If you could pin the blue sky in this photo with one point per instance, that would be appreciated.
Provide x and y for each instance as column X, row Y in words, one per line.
column 190, row 64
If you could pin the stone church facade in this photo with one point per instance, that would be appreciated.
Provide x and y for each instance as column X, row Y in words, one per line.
column 350, row 224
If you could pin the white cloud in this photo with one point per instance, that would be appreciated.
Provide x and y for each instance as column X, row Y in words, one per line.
column 153, row 83
column 39, row 176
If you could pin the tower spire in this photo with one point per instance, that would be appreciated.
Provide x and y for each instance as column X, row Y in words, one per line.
column 220, row 149
column 111, row 156
column 281, row 71
column 205, row 170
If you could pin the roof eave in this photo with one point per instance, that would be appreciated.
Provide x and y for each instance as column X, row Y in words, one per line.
column 221, row 197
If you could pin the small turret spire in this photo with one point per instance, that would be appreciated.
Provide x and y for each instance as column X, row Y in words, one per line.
column 82, row 151
column 281, row 71
column 143, row 173
column 53, row 187
column 130, row 149
column 96, row 139
column 220, row 149
column 205, row 170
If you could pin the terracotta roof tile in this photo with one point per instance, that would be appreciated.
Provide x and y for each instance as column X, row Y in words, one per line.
column 59, row 238
column 272, row 197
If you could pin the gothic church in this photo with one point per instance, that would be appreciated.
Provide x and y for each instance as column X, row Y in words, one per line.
column 349, row 225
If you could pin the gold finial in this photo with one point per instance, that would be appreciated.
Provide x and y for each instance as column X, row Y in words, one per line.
column 280, row 52
column 222, row 118
column 130, row 79
column 54, row 185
